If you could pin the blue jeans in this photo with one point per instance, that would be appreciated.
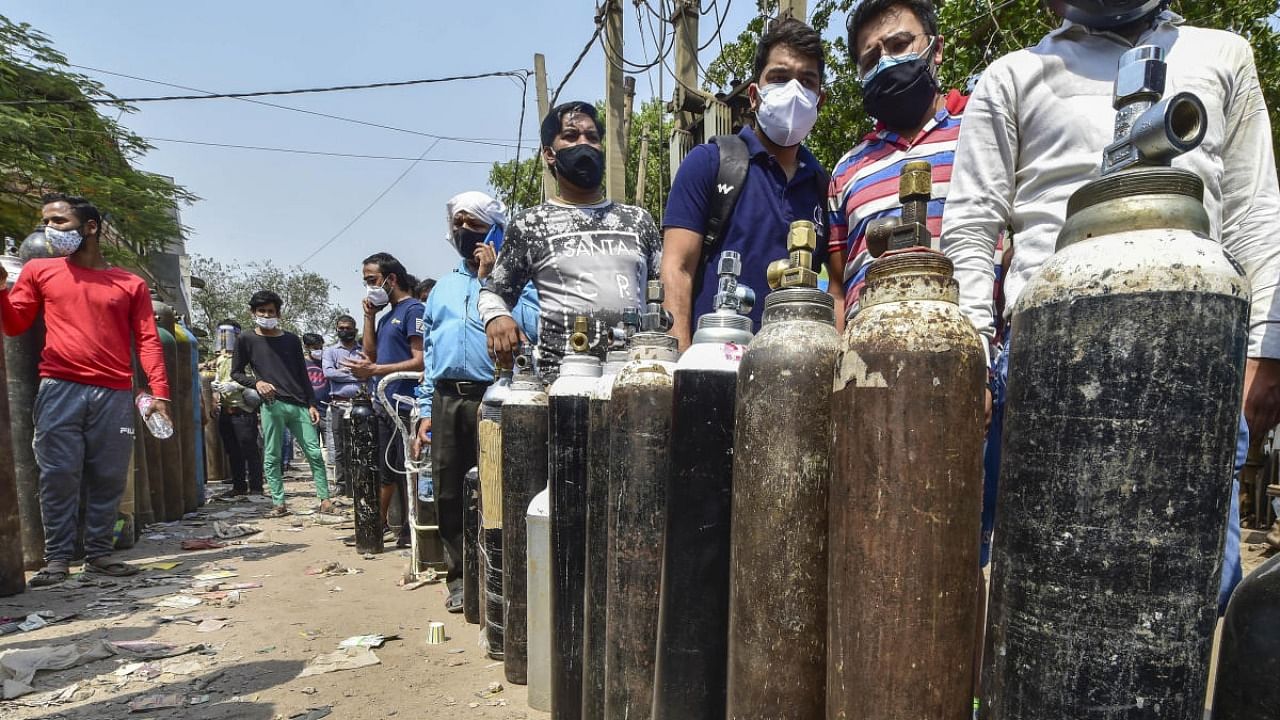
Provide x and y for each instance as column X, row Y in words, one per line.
column 1231, row 572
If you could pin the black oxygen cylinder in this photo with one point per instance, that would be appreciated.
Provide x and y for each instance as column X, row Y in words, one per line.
column 596, row 570
column 361, row 427
column 1126, row 361
column 491, row 560
column 569, row 411
column 1249, row 656
column 639, row 462
column 470, row 549
column 182, row 386
column 693, row 615
column 12, row 581
column 171, row 447
column 22, row 360
column 144, row 515
column 522, row 457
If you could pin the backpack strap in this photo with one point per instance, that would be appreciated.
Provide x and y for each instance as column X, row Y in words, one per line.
column 729, row 181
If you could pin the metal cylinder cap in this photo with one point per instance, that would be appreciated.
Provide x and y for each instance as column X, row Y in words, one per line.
column 916, row 180
column 580, row 366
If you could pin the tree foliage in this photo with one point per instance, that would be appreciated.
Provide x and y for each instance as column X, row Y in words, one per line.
column 228, row 287
column 976, row 34
column 502, row 182
column 68, row 146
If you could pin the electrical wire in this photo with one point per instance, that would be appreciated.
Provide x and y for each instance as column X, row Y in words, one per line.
column 468, row 140
column 369, row 207
column 719, row 25
column 611, row 53
column 574, row 68
column 516, row 174
column 265, row 93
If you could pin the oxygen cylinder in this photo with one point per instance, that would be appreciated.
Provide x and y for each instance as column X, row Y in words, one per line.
column 171, row 449
column 521, row 456
column 777, row 574
column 1249, row 656
column 182, row 386
column 1126, row 361
column 539, row 600
column 491, row 558
column 144, row 515
column 489, row 432
column 125, row 530
column 199, row 410
column 22, row 360
column 906, row 486
column 597, row 536
column 639, row 462
column 12, row 581
column 693, row 614
column 213, row 468
column 569, row 422
column 361, row 426
column 470, row 549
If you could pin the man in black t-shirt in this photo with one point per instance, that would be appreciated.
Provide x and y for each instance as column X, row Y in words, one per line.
column 288, row 400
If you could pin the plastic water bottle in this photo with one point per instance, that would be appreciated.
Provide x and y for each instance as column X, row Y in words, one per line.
column 158, row 424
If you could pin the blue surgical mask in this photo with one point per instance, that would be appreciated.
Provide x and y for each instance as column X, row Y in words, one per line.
column 887, row 62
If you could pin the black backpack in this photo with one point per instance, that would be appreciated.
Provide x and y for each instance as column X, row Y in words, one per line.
column 730, row 178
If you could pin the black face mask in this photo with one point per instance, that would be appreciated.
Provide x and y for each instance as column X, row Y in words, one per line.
column 582, row 165
column 900, row 95
column 346, row 335
column 466, row 241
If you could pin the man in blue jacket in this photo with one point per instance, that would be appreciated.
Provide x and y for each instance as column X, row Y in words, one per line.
column 458, row 369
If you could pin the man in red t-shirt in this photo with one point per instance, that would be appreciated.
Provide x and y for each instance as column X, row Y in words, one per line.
column 95, row 314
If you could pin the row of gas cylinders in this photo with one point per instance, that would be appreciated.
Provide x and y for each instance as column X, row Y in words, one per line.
column 166, row 477
column 787, row 525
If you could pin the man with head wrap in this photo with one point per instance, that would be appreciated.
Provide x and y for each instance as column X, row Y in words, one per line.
column 457, row 368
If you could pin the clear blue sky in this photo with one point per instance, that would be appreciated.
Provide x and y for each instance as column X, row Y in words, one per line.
column 259, row 205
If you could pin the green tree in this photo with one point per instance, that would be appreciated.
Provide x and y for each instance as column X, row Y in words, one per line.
column 502, row 182
column 228, row 287
column 67, row 145
column 976, row 34
column 650, row 122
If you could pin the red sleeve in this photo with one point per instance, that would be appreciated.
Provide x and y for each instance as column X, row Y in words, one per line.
column 150, row 352
column 20, row 306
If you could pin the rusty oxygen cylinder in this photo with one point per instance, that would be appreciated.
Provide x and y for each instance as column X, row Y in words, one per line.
column 144, row 515
column 569, row 424
column 12, row 581
column 781, row 470
column 214, row 470
column 182, row 385
column 597, row 533
column 470, row 550
column 693, row 608
column 1249, row 657
column 173, row 474
column 1126, row 361
column 522, row 459
column 22, row 361
column 906, row 485
column 639, row 462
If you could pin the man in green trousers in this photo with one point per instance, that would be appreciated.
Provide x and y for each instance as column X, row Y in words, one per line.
column 288, row 400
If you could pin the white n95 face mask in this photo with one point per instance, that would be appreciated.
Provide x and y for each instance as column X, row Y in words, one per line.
column 267, row 323
column 377, row 296
column 787, row 112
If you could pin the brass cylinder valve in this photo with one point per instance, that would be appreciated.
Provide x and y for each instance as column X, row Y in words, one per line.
column 915, row 189
column 797, row 269
column 578, row 340
column 655, row 317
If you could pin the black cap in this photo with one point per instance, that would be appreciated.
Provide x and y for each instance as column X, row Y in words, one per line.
column 551, row 123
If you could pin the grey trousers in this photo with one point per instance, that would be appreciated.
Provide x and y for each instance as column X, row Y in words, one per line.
column 83, row 435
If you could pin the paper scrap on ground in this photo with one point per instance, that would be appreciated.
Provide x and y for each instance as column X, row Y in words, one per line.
column 156, row 702
column 166, row 566
column 18, row 667
column 216, row 575
column 183, row 667
column 372, row 641
column 180, row 602
column 344, row 659
column 227, row 531
column 211, row 625
column 150, row 650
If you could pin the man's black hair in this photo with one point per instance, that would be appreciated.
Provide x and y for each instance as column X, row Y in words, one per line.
column 263, row 298
column 230, row 322
column 869, row 10
column 552, row 123
column 795, row 34
column 389, row 265
column 311, row 339
column 344, row 318
column 424, row 286
column 81, row 208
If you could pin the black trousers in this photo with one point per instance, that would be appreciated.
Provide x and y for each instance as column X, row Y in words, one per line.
column 239, row 432
column 454, row 445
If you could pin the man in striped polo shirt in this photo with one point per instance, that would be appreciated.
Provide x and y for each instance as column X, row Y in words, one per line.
column 897, row 49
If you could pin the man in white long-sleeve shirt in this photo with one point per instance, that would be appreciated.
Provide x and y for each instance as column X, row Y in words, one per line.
column 1034, row 132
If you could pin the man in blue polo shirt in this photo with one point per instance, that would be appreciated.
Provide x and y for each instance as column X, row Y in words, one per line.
column 394, row 345
column 784, row 183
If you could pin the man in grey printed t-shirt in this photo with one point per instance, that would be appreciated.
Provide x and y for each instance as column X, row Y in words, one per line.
column 585, row 254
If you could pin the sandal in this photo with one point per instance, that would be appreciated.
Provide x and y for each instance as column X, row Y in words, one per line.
column 114, row 568
column 278, row 511
column 48, row 576
column 328, row 508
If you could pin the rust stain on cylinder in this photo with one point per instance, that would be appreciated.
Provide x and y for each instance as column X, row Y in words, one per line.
column 905, row 502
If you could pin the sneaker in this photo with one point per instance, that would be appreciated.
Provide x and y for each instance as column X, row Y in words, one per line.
column 278, row 511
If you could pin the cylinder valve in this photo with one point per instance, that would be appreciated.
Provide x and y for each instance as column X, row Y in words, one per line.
column 797, row 269
column 1150, row 131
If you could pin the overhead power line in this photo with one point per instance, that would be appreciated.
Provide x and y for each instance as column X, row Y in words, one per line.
column 574, row 68
column 369, row 207
column 265, row 103
column 266, row 93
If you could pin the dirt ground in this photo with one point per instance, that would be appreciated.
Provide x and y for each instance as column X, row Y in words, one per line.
column 250, row 668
